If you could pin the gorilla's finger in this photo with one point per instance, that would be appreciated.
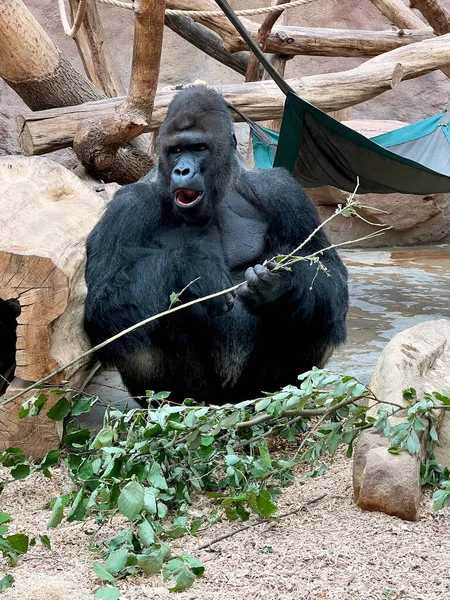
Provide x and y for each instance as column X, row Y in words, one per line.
column 263, row 273
column 251, row 277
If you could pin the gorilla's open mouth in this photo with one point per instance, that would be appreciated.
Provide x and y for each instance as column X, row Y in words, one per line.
column 187, row 198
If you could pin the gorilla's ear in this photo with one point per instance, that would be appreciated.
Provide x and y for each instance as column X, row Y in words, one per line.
column 234, row 141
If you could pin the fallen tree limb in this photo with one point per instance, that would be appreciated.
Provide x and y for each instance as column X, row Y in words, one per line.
column 436, row 15
column 46, row 131
column 209, row 42
column 402, row 16
column 275, row 518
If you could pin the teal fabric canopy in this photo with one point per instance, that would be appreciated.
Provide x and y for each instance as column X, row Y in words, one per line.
column 319, row 151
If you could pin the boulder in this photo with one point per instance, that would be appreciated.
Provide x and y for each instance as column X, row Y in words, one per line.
column 418, row 357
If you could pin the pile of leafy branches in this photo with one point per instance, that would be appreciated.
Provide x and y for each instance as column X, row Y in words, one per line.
column 147, row 463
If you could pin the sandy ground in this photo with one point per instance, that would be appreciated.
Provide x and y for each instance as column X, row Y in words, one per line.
column 331, row 550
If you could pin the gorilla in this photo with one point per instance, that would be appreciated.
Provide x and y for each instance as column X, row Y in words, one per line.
column 201, row 219
column 9, row 311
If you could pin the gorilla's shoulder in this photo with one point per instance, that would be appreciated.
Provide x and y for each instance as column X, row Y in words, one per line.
column 274, row 185
column 134, row 195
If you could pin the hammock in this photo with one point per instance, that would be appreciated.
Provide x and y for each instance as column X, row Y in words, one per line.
column 319, row 150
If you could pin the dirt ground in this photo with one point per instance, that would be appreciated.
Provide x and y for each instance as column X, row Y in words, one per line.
column 330, row 550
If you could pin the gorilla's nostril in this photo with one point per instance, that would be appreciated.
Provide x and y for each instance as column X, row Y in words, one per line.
column 185, row 172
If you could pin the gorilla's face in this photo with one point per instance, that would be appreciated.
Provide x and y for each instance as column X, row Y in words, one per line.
column 197, row 153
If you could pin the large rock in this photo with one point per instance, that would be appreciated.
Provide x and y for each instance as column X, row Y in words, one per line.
column 418, row 357
column 413, row 219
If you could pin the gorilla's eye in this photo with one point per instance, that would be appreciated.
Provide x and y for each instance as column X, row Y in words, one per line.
column 200, row 147
column 175, row 150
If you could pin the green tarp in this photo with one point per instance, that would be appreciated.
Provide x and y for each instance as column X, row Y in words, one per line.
column 319, row 151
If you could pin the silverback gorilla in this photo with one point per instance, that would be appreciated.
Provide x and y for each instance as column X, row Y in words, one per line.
column 201, row 216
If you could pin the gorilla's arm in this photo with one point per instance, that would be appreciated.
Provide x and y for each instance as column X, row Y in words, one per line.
column 131, row 271
column 305, row 291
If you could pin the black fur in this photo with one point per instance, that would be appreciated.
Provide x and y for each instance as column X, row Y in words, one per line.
column 148, row 245
column 9, row 311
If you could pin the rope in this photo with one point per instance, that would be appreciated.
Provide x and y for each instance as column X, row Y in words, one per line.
column 72, row 30
column 217, row 13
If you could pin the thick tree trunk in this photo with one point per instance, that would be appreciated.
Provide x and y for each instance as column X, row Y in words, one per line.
column 32, row 66
column 49, row 130
column 98, row 143
column 47, row 213
column 94, row 51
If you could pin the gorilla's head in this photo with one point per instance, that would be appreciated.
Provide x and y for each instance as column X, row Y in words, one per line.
column 197, row 152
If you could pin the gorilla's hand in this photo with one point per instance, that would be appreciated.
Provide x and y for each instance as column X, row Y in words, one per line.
column 263, row 286
column 213, row 279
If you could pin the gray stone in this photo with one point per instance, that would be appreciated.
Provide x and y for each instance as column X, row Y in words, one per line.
column 418, row 357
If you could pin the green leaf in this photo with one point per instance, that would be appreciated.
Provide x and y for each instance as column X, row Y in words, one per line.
column 77, row 511
column 6, row 582
column 60, row 410
column 146, row 533
column 45, row 541
column 266, row 508
column 262, row 404
column 265, row 457
column 161, row 396
column 50, row 459
column 20, row 471
column 107, row 593
column 433, row 434
column 11, row 457
column 77, row 438
column 150, row 495
column 184, row 578
column 178, row 528
column 207, row 441
column 116, row 561
column 120, row 539
column 57, row 512
column 103, row 438
column 102, row 573
column 152, row 562
column 4, row 517
column 194, row 564
column 18, row 542
column 156, row 477
column 81, row 405
column 131, row 500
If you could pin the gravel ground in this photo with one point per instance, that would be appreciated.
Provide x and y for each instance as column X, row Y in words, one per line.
column 329, row 550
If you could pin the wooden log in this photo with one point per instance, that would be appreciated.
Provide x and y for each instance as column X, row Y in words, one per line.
column 436, row 15
column 94, row 52
column 209, row 42
column 46, row 215
column 293, row 40
column 49, row 130
column 33, row 67
column 98, row 143
column 402, row 16
column 399, row 14
column 317, row 41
